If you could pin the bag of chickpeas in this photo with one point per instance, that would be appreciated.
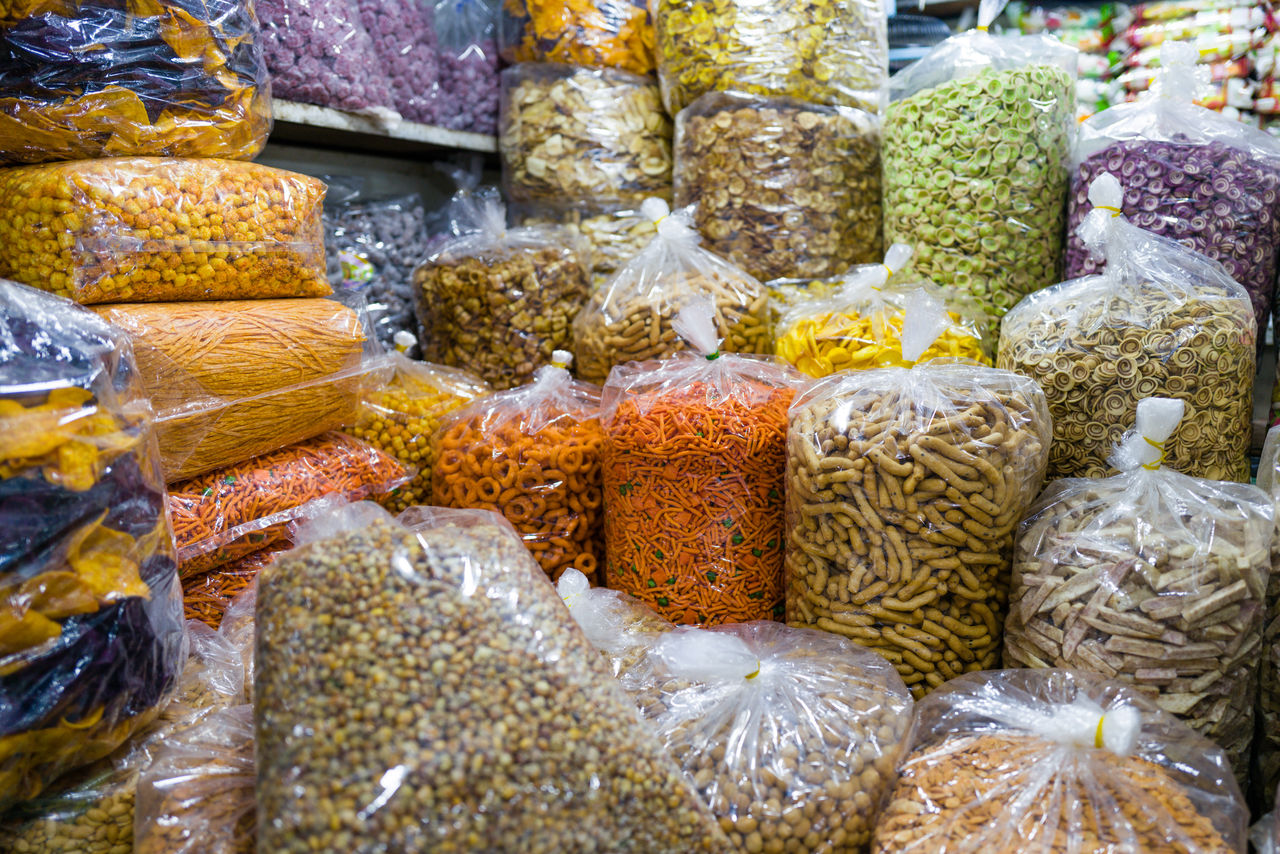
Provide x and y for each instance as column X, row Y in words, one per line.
column 1057, row 762
column 631, row 318
column 790, row 736
column 531, row 454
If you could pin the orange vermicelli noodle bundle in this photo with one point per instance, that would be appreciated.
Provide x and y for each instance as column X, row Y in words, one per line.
column 531, row 454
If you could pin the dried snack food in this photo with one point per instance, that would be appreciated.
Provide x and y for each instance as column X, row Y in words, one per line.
column 91, row 79
column 693, row 479
column 90, row 608
column 631, row 317
column 404, row 43
column 782, row 188
column 904, row 489
column 531, row 454
column 467, row 53
column 514, row 697
column 594, row 33
column 615, row 234
column 1057, row 761
column 1189, row 174
column 976, row 148
column 1265, row 765
column 210, row 596
column 91, row 814
column 1152, row 578
column 860, row 324
column 811, row 50
column 1160, row 319
column 154, row 229
column 587, row 134
column 232, row 380
column 499, row 302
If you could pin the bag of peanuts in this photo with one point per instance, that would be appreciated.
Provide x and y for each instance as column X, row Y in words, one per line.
column 790, row 736
column 1160, row 319
column 1057, row 762
column 531, row 454
column 495, row 726
column 1208, row 181
column 693, row 478
column 904, row 488
column 859, row 325
column 631, row 318
column 1152, row 578
column 499, row 302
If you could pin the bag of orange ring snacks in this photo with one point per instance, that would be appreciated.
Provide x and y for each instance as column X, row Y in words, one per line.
column 531, row 454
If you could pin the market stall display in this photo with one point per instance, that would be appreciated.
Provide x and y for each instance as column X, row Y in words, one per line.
column 136, row 229
column 616, row 234
column 1160, row 319
column 593, row 33
column 782, row 188
column 90, row 79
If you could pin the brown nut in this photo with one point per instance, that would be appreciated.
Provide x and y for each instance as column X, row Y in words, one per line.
column 782, row 188
column 91, row 817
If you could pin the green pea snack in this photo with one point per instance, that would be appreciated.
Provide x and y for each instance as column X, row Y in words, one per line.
column 977, row 141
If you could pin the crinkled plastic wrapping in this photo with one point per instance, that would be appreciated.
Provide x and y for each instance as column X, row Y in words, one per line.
column 594, row 33
column 595, row 135
column 859, row 325
column 404, row 42
column 693, row 482
column 515, row 697
column 499, row 301
column 1153, row 578
column 976, row 150
column 782, row 188
column 154, row 229
column 466, row 31
column 904, row 490
column 812, row 50
column 1006, row 762
column 231, row 512
column 104, row 79
column 1207, row 181
column 233, row 380
column 209, row 597
column 531, row 454
column 1265, row 769
column 1160, row 320
column 91, row 639
column 615, row 233
column 631, row 317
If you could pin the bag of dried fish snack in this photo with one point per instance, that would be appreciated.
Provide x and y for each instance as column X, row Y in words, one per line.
column 631, row 318
column 1057, row 762
column 904, row 488
column 789, row 735
column 496, row 726
column 498, row 301
column 1160, row 319
column 860, row 324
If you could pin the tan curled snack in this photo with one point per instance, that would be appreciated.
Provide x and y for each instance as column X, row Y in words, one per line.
column 904, row 487
column 616, row 235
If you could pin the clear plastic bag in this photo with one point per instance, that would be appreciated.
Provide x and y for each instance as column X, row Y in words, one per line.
column 977, row 143
column 1190, row 174
column 159, row 229
column 209, row 597
column 582, row 134
column 830, row 54
column 233, row 380
column 404, row 42
column 1049, row 761
column 1152, row 578
column 1265, row 768
column 859, row 325
column 782, row 188
column 904, row 489
column 91, row 639
column 531, row 454
column 615, row 233
column 693, row 478
column 595, row 33
column 467, row 98
column 1160, row 319
column 496, row 726
column 91, row 79
column 496, row 301
column 631, row 317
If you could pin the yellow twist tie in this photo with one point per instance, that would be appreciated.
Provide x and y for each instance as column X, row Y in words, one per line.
column 982, row 28
column 1097, row 736
column 754, row 673
column 888, row 270
column 561, row 365
column 1159, row 446
column 1115, row 212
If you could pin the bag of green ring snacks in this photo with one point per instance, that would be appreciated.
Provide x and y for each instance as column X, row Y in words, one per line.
column 977, row 142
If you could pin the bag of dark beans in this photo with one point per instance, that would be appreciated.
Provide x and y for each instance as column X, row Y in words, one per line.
column 420, row 686
column 1190, row 174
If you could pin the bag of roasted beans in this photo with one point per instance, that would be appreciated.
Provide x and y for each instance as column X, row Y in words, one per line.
column 1057, row 762
column 1159, row 320
column 1208, row 181
column 789, row 735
